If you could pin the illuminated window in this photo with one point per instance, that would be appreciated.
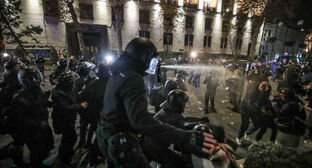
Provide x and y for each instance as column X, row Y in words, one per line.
column 188, row 40
column 144, row 34
column 86, row 11
column 207, row 41
column 168, row 38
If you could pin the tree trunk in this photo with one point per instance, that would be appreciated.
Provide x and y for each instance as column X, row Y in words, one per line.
column 119, row 42
column 117, row 8
column 70, row 5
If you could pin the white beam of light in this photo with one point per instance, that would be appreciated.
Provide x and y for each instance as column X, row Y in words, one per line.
column 108, row 59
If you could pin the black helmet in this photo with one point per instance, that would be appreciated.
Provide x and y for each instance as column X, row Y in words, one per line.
column 102, row 71
column 66, row 79
column 216, row 131
column 171, row 85
column 141, row 50
column 29, row 78
column 179, row 76
column 177, row 99
column 289, row 93
column 11, row 64
column 83, row 69
column 61, row 63
column 124, row 149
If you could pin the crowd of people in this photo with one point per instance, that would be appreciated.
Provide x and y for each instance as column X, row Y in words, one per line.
column 110, row 103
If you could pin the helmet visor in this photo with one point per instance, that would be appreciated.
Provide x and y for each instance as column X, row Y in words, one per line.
column 153, row 66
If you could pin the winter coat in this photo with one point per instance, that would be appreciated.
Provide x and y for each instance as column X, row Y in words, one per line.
column 288, row 112
column 126, row 106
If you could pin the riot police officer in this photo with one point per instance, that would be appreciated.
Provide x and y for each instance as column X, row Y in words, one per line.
column 173, row 108
column 39, row 62
column 93, row 94
column 211, row 89
column 28, row 117
column 60, row 68
column 290, row 115
column 126, row 105
column 64, row 114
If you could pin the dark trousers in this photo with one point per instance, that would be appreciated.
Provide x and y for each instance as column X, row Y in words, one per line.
column 245, row 116
column 267, row 122
column 209, row 97
column 68, row 141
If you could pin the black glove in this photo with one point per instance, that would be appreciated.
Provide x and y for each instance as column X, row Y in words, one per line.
column 193, row 142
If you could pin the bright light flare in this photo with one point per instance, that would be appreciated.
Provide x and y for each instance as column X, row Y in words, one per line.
column 193, row 54
column 5, row 54
column 108, row 59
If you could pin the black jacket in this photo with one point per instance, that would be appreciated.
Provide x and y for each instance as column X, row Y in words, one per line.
column 287, row 112
column 65, row 109
column 93, row 94
column 126, row 106
column 55, row 75
column 29, row 107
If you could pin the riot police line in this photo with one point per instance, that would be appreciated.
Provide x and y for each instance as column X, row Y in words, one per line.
column 113, row 104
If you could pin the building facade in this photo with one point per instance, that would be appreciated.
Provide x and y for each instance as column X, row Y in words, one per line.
column 201, row 28
column 279, row 40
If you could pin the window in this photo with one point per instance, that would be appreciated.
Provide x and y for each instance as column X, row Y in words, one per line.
column 207, row 41
column 144, row 34
column 117, row 11
column 168, row 38
column 224, row 41
column 86, row 11
column 50, row 8
column 189, row 22
column 188, row 40
column 144, row 17
column 239, row 44
column 225, row 26
column 208, row 22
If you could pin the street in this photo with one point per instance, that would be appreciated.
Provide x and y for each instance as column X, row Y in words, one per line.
column 223, row 117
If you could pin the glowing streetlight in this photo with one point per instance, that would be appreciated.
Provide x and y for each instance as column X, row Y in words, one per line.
column 5, row 54
column 193, row 54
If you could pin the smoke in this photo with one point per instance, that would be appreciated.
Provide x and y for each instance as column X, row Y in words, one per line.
column 221, row 73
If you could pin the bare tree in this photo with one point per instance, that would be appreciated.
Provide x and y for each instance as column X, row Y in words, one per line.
column 70, row 14
column 117, row 12
column 171, row 13
column 12, row 29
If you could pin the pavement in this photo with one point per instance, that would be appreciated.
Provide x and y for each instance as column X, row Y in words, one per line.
column 195, row 108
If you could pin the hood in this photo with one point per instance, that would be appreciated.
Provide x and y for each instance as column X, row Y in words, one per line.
column 124, row 63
